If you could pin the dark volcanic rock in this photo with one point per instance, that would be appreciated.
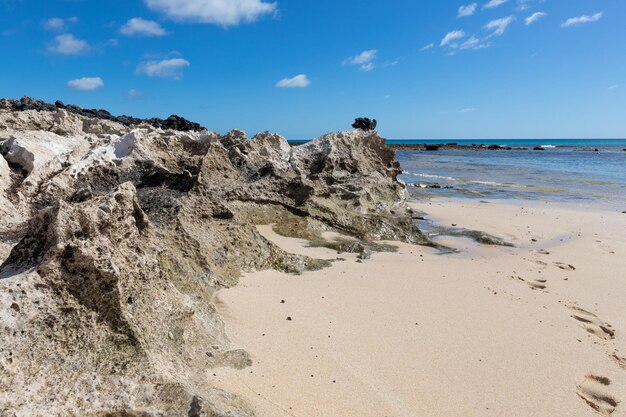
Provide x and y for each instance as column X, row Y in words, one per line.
column 365, row 124
column 27, row 103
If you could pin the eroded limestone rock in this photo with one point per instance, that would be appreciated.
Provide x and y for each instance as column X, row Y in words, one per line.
column 114, row 240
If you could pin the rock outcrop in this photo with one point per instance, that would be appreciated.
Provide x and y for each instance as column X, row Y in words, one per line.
column 114, row 238
column 27, row 103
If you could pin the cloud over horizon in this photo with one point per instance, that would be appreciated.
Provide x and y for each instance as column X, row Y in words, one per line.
column 134, row 94
column 494, row 3
column 140, row 27
column 468, row 10
column 534, row 17
column 451, row 37
column 218, row 12
column 473, row 43
column 68, row 44
column 85, row 84
column 365, row 60
column 57, row 23
column 499, row 26
column 572, row 21
column 166, row 68
column 299, row 81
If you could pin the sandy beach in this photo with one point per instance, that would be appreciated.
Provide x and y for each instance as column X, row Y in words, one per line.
column 538, row 329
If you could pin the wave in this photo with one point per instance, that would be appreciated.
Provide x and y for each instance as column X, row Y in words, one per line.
column 464, row 180
column 508, row 185
column 416, row 174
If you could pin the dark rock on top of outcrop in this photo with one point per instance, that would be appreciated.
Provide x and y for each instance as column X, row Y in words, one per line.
column 173, row 122
column 365, row 124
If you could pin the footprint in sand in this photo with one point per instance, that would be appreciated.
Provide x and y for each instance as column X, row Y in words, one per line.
column 536, row 261
column 564, row 266
column 593, row 390
column 593, row 324
column 538, row 284
column 619, row 360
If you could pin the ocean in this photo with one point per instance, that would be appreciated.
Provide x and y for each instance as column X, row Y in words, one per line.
column 589, row 172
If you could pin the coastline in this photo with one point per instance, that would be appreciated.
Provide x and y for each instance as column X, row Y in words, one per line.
column 123, row 239
column 590, row 145
column 487, row 331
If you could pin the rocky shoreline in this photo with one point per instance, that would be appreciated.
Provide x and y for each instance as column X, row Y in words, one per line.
column 452, row 146
column 117, row 232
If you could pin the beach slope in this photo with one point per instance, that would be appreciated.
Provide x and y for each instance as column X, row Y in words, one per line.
column 538, row 329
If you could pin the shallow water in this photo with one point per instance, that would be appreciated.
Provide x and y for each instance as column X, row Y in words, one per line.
column 571, row 173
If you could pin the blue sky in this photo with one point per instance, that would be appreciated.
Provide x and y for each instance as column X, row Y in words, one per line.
column 423, row 68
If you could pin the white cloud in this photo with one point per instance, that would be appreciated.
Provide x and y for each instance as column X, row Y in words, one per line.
column 166, row 68
column 85, row 84
column 494, row 3
column 499, row 25
column 367, row 67
column 466, row 110
column 534, row 17
column 391, row 63
column 474, row 43
column 299, row 81
column 365, row 60
column 141, row 27
column 68, row 44
column 57, row 23
column 451, row 37
column 427, row 47
column 467, row 10
column 612, row 87
column 582, row 19
column 219, row 12
column 135, row 93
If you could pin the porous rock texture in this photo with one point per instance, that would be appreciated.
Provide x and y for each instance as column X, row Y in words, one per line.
column 114, row 239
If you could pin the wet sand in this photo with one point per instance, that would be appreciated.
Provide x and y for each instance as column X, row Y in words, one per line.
column 534, row 330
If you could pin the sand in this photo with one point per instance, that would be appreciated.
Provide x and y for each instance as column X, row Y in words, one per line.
column 488, row 331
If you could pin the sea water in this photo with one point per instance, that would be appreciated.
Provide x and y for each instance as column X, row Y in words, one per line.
column 584, row 171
